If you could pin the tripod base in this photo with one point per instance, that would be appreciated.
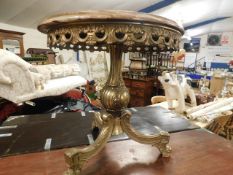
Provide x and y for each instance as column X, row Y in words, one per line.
column 110, row 125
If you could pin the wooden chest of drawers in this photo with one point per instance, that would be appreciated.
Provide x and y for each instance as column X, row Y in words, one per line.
column 140, row 91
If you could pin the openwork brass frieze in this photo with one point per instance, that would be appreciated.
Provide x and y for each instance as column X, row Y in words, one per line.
column 98, row 36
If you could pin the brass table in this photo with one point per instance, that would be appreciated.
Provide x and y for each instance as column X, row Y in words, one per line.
column 115, row 32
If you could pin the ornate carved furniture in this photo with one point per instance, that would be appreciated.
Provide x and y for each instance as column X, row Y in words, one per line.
column 21, row 81
column 13, row 41
column 115, row 32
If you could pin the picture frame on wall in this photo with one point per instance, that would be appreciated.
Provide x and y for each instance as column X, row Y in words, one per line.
column 214, row 39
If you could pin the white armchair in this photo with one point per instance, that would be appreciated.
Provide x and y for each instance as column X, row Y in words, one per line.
column 21, row 81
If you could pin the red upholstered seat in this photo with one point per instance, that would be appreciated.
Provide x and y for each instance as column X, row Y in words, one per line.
column 6, row 109
column 76, row 94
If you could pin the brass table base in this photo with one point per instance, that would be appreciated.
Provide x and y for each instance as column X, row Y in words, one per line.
column 115, row 120
column 110, row 125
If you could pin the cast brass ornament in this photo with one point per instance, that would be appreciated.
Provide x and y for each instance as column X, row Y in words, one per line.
column 115, row 32
column 131, row 37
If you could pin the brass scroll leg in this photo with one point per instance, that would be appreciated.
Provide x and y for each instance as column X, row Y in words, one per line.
column 160, row 141
column 76, row 157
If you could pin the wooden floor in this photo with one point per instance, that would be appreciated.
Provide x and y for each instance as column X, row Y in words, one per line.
column 195, row 152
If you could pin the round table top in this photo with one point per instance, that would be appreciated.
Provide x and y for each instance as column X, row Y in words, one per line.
column 107, row 16
column 94, row 30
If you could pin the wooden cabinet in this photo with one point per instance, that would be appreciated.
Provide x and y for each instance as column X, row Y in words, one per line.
column 140, row 91
column 12, row 41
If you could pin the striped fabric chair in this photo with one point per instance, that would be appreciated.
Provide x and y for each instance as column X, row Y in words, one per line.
column 228, row 128
column 222, row 125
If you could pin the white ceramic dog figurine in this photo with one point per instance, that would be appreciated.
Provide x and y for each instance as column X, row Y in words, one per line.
column 177, row 89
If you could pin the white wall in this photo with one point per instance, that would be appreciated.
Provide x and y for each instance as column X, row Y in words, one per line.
column 210, row 52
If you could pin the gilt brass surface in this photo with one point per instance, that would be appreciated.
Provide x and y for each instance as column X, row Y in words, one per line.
column 115, row 32
column 97, row 36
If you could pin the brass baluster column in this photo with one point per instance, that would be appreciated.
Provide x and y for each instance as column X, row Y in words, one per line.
column 115, row 96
